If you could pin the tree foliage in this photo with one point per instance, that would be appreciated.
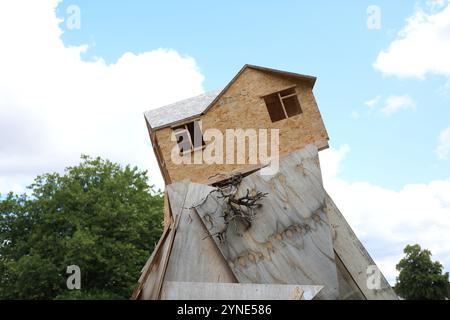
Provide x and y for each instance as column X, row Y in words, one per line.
column 98, row 215
column 420, row 278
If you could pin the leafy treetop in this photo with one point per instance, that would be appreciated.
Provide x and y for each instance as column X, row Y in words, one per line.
column 420, row 278
column 98, row 215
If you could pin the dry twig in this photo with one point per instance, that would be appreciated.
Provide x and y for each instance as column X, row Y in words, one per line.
column 237, row 209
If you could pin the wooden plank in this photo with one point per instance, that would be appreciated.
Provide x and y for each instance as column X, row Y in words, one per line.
column 154, row 270
column 290, row 240
column 146, row 270
column 166, row 258
column 354, row 256
column 148, row 290
column 348, row 289
column 195, row 257
column 237, row 291
column 167, row 211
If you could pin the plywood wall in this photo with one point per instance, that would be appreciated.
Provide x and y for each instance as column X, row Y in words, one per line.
column 242, row 106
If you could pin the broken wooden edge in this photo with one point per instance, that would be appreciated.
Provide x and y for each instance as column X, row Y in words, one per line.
column 149, row 264
column 168, row 217
column 155, row 256
column 166, row 261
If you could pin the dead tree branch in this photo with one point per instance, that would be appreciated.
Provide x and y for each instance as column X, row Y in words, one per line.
column 236, row 209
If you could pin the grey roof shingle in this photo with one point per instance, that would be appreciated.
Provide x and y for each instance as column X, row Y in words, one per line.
column 180, row 110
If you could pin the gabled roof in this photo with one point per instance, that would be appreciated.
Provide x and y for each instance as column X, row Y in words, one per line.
column 193, row 107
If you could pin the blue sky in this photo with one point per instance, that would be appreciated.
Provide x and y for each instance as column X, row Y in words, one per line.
column 326, row 39
column 384, row 94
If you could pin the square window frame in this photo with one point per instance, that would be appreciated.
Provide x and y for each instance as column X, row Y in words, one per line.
column 183, row 127
column 281, row 98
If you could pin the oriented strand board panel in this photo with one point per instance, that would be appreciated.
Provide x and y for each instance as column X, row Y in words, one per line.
column 354, row 256
column 237, row 291
column 194, row 257
column 243, row 107
column 289, row 241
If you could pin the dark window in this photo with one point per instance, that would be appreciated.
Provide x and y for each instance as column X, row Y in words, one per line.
column 183, row 139
column 189, row 136
column 292, row 106
column 282, row 104
column 274, row 107
column 196, row 134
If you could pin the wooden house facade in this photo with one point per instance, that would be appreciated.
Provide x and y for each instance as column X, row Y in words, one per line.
column 256, row 98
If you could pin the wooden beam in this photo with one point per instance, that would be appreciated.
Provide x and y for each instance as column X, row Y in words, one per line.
column 167, row 257
column 151, row 266
column 348, row 289
column 167, row 212
column 354, row 256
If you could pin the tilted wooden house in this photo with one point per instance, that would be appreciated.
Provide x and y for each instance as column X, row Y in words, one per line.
column 294, row 243
column 255, row 98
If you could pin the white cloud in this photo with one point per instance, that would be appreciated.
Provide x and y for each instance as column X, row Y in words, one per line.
column 387, row 220
column 397, row 103
column 391, row 105
column 372, row 103
column 434, row 5
column 422, row 46
column 443, row 148
column 55, row 106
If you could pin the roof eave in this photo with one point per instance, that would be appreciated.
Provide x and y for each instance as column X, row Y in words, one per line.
column 174, row 123
column 310, row 79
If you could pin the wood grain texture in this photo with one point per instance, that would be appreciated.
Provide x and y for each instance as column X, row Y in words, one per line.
column 166, row 257
column 152, row 277
column 237, row 291
column 298, row 237
column 289, row 242
column 177, row 194
column 167, row 211
column 348, row 289
column 194, row 257
column 354, row 256
column 148, row 289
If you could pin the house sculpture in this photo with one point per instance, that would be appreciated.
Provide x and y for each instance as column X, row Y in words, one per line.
column 246, row 213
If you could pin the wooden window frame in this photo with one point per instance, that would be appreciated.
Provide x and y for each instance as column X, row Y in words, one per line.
column 281, row 100
column 176, row 128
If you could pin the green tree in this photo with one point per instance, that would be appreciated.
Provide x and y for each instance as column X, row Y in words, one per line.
column 420, row 278
column 100, row 216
